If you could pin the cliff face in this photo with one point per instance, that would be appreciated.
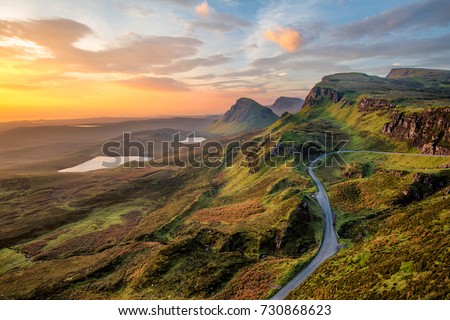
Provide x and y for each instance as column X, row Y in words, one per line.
column 429, row 131
column 317, row 93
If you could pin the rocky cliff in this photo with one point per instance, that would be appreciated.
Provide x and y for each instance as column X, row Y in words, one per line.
column 429, row 131
column 368, row 105
column 318, row 93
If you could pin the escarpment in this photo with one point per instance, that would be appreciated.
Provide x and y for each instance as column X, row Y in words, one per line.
column 429, row 131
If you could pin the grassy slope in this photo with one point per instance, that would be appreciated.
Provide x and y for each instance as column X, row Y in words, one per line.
column 393, row 251
column 226, row 233
column 141, row 233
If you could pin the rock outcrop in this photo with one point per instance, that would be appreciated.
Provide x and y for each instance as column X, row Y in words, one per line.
column 429, row 131
column 369, row 104
column 423, row 186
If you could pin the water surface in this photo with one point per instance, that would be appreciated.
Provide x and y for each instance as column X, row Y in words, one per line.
column 103, row 163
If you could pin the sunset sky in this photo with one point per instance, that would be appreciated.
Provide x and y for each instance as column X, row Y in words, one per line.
column 131, row 58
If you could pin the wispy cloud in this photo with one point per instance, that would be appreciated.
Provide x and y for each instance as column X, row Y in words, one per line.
column 184, row 65
column 137, row 11
column 390, row 48
column 212, row 20
column 23, row 49
column 155, row 84
column 219, row 22
column 416, row 16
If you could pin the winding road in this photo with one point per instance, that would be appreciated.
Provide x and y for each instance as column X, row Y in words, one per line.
column 329, row 246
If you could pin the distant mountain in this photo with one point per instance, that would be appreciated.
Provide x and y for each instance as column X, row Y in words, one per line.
column 245, row 115
column 178, row 122
column 419, row 72
column 287, row 104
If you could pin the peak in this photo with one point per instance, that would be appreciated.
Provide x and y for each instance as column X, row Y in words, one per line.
column 245, row 101
column 283, row 98
column 246, row 114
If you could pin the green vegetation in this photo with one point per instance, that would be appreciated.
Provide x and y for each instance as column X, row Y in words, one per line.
column 417, row 90
column 242, row 231
column 142, row 229
column 392, row 251
column 11, row 260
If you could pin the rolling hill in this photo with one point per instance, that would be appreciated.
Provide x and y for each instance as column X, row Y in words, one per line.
column 243, row 229
column 36, row 146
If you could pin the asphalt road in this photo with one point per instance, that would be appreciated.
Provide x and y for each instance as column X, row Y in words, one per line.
column 329, row 245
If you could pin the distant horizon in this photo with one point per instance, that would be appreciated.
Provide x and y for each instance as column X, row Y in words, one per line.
column 147, row 58
column 187, row 115
column 168, row 116
column 140, row 117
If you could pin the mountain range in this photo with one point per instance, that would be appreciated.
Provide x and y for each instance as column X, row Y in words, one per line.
column 244, row 229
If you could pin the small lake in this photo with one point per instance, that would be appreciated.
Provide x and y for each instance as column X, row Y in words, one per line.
column 103, row 163
column 86, row 126
column 192, row 140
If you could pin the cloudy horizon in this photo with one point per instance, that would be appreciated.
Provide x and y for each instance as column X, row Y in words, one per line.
column 150, row 58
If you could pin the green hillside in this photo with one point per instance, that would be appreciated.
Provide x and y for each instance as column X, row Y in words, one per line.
column 394, row 224
column 245, row 228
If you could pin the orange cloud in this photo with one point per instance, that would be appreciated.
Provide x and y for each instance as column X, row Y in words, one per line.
column 288, row 39
column 202, row 9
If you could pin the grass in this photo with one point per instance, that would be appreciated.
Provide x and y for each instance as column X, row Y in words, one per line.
column 391, row 251
column 208, row 225
column 238, row 232
column 11, row 259
column 98, row 220
column 231, row 213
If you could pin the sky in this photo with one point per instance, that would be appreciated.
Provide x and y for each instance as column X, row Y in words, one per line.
column 144, row 58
